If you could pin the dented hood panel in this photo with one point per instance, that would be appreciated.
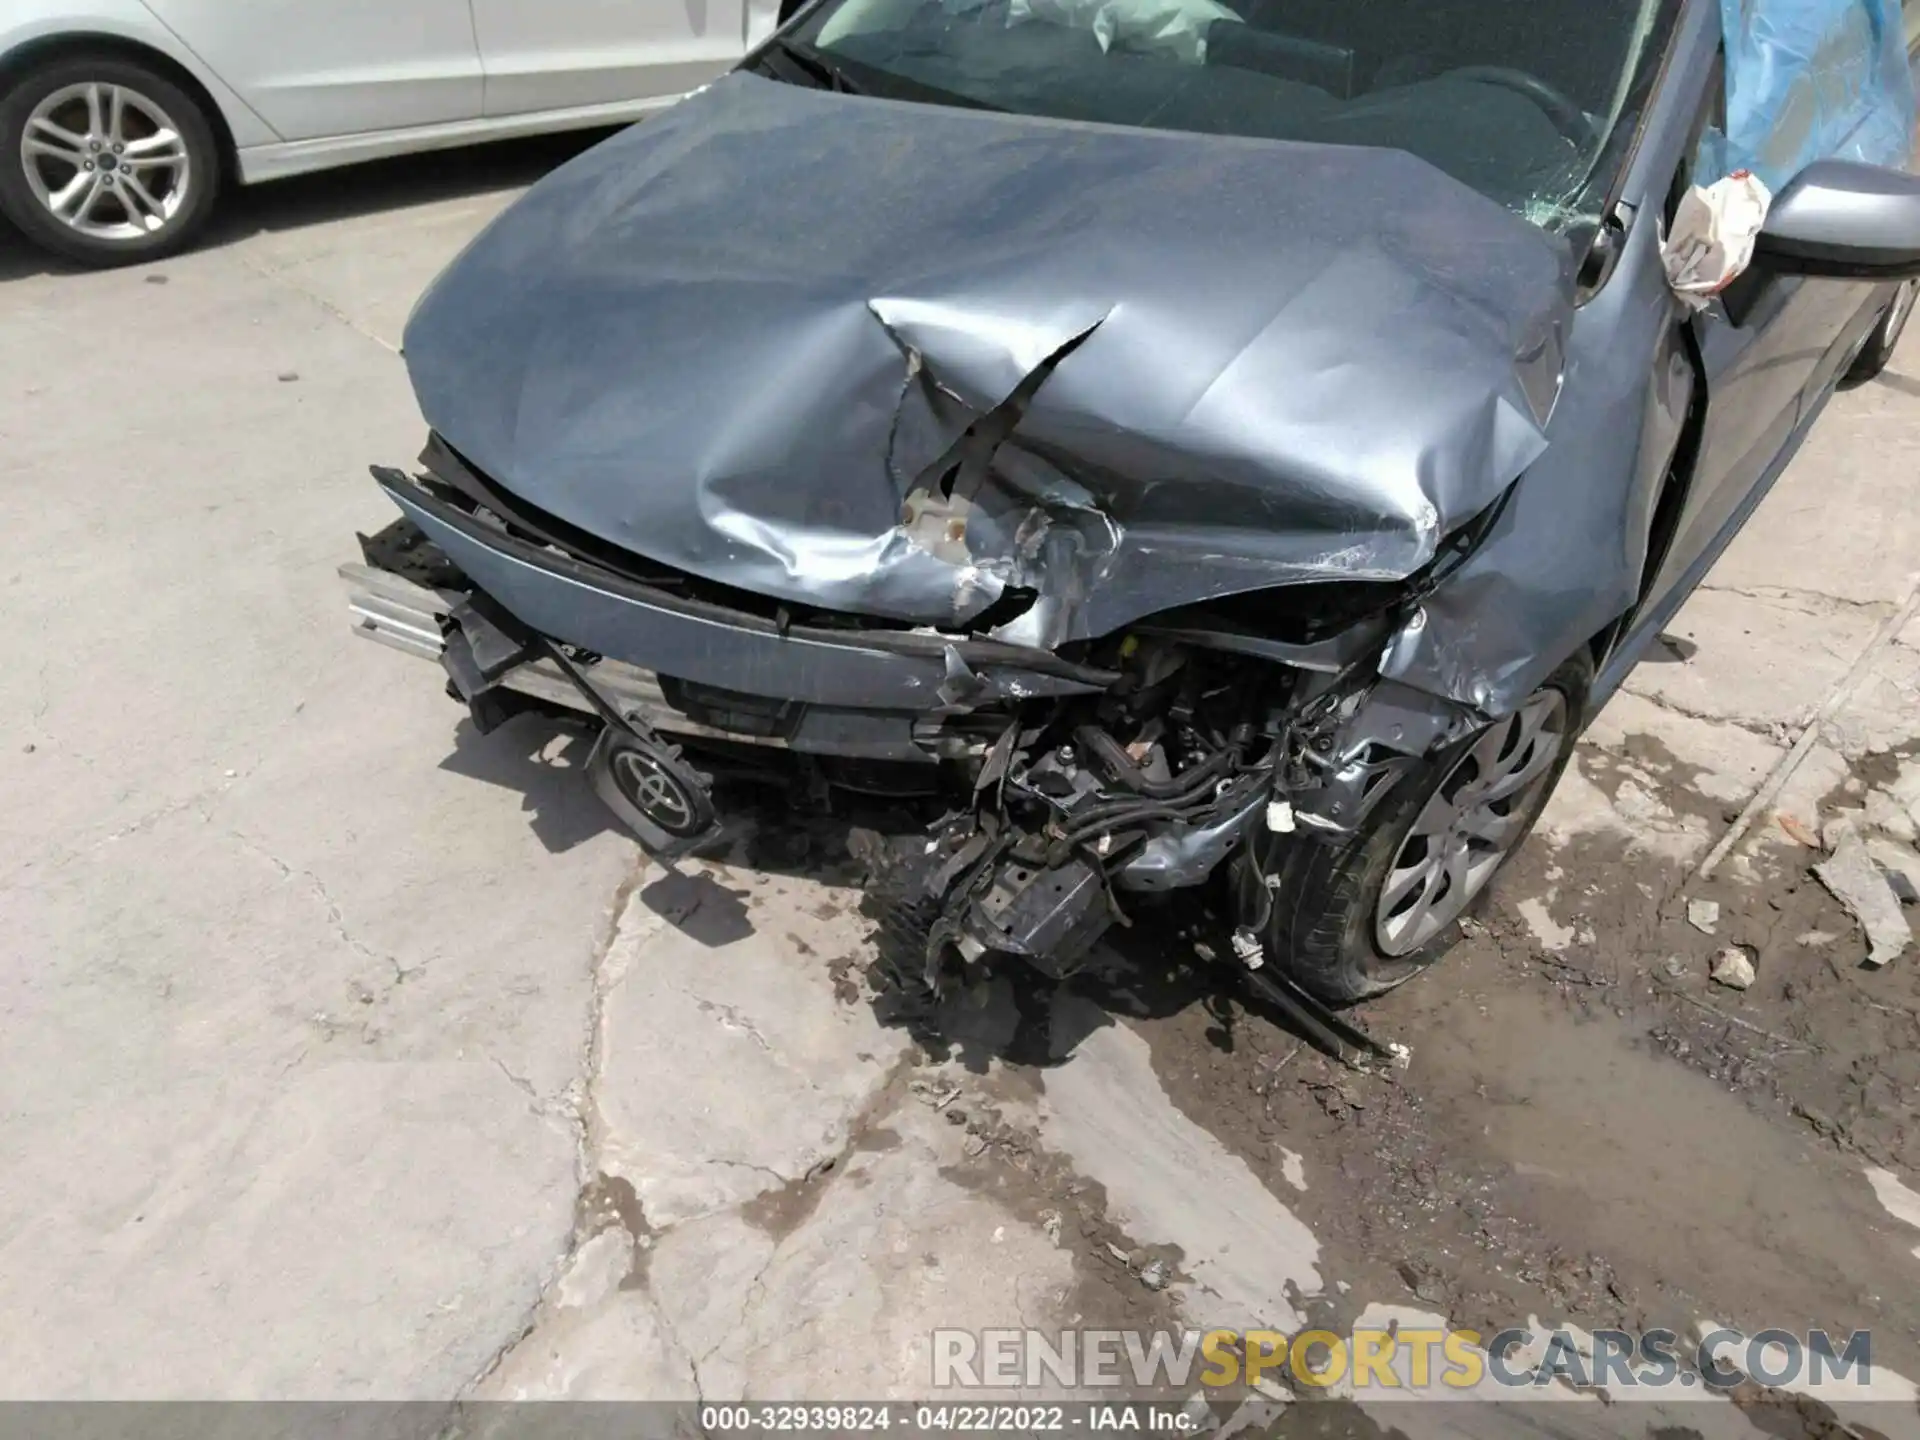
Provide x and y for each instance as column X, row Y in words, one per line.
column 894, row 359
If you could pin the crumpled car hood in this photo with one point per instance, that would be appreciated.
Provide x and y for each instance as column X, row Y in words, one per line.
column 902, row 360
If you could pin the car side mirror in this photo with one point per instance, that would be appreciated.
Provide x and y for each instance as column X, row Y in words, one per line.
column 1844, row 220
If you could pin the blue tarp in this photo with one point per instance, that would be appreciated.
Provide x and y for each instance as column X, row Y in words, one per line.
column 1811, row 79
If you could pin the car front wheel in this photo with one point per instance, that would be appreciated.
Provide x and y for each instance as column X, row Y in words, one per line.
column 1355, row 918
column 105, row 161
column 1883, row 338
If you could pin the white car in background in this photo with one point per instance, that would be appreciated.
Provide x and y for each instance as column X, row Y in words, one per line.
column 120, row 120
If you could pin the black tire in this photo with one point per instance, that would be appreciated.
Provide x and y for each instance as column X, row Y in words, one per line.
column 1322, row 926
column 25, row 209
column 1883, row 339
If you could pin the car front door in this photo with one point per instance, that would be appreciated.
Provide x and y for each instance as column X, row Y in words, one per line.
column 1771, row 348
column 561, row 54
column 1763, row 374
column 318, row 68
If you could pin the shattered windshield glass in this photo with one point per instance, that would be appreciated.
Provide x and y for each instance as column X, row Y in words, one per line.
column 1518, row 99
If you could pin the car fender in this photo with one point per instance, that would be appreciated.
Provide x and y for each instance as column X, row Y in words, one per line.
column 30, row 23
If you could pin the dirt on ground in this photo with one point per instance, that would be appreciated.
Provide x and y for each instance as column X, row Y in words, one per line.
column 979, row 1067
column 1595, row 1129
column 1591, row 1128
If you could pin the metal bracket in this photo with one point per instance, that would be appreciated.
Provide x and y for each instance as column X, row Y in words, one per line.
column 1347, row 1043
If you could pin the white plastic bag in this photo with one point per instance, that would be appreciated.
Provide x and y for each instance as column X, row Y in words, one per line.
column 1714, row 231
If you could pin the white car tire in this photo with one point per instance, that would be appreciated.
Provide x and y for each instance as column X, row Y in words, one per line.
column 106, row 161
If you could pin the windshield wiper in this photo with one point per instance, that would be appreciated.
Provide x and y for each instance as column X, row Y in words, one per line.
column 814, row 65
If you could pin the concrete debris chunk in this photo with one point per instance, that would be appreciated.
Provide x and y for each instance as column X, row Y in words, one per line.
column 1887, row 814
column 1842, row 823
column 1703, row 915
column 1732, row 967
column 1906, row 788
column 1197, row 1414
column 1856, row 882
column 929, row 1090
column 1424, row 1279
column 1155, row 1274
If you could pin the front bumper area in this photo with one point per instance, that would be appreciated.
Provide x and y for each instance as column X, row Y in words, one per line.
column 891, row 670
column 1075, row 785
column 416, row 619
column 428, row 621
column 675, row 664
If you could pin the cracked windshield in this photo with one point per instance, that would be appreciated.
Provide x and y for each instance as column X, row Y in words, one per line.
column 1519, row 99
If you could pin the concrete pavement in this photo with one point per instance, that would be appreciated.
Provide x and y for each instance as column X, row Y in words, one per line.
column 290, row 1004
column 346, row 1054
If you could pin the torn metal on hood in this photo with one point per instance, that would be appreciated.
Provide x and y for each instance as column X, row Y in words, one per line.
column 1002, row 463
column 1058, row 391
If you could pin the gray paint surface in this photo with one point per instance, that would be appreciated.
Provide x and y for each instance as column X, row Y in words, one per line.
column 136, row 967
column 1272, row 363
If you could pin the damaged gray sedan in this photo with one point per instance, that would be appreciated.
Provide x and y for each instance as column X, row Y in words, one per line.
column 1179, row 442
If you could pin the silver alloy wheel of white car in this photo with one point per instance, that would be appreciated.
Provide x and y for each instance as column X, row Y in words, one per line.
column 107, row 161
column 1470, row 824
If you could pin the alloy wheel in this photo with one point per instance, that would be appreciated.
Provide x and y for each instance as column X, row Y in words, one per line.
column 1470, row 824
column 106, row 161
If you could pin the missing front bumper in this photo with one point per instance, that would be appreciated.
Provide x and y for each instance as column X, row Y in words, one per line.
column 416, row 620
column 426, row 621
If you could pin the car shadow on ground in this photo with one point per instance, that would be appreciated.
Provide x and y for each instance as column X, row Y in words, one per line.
column 373, row 188
column 546, row 762
column 1006, row 1011
column 1167, row 957
column 1905, row 384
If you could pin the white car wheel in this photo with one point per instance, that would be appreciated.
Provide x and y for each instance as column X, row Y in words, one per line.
column 105, row 161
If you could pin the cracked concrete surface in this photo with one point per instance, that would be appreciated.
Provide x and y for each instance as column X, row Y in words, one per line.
column 286, row 1022
column 1758, row 659
column 349, row 1054
column 786, row 1192
column 1247, row 1259
column 766, row 1071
